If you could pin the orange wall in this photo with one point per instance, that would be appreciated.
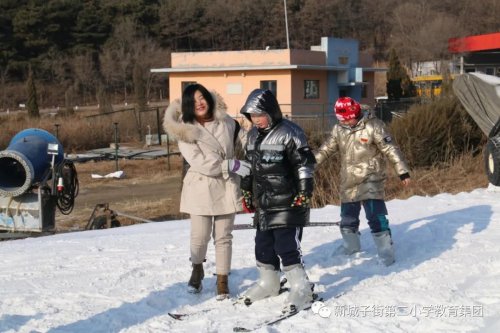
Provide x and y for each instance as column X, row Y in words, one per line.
column 236, row 85
column 222, row 81
column 249, row 80
column 299, row 102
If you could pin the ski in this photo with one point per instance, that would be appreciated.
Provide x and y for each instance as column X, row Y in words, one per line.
column 311, row 224
column 182, row 316
column 281, row 317
column 275, row 320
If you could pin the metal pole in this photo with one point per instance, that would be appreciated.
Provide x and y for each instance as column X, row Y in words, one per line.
column 116, row 145
column 158, row 124
column 132, row 217
column 168, row 151
column 57, row 130
column 286, row 25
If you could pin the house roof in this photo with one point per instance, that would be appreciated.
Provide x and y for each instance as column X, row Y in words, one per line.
column 247, row 68
column 254, row 60
column 255, row 68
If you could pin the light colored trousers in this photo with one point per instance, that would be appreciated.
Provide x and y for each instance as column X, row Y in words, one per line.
column 220, row 227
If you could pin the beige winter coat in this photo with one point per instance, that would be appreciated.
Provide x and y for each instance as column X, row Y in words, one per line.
column 363, row 150
column 208, row 188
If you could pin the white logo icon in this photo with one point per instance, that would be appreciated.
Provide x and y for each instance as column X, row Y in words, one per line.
column 320, row 309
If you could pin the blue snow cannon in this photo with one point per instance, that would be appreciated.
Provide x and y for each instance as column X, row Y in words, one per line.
column 29, row 159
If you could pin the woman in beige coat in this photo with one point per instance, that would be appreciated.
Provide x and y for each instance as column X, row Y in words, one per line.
column 210, row 193
column 364, row 145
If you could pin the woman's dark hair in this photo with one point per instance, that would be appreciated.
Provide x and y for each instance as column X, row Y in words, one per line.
column 188, row 102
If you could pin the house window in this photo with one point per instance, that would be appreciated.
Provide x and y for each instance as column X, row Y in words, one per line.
column 490, row 70
column 184, row 84
column 311, row 89
column 270, row 85
column 343, row 60
column 498, row 71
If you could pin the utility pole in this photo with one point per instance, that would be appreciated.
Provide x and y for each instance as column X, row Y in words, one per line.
column 286, row 25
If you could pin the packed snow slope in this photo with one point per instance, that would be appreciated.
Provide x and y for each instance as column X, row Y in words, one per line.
column 445, row 279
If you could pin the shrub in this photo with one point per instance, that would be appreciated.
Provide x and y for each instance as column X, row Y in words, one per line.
column 436, row 132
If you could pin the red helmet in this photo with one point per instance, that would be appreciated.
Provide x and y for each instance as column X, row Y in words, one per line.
column 347, row 108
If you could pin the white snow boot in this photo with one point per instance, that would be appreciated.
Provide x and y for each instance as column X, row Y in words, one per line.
column 267, row 286
column 301, row 293
column 351, row 243
column 383, row 241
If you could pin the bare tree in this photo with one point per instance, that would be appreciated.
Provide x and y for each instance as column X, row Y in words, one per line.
column 126, row 48
column 116, row 56
column 421, row 33
column 478, row 17
column 4, row 75
column 408, row 19
column 32, row 102
column 84, row 78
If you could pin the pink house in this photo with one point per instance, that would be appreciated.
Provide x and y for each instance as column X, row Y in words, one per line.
column 306, row 82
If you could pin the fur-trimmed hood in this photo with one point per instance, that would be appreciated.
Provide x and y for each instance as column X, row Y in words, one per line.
column 174, row 126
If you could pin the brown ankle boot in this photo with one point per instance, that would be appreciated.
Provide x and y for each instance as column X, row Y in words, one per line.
column 194, row 284
column 222, row 287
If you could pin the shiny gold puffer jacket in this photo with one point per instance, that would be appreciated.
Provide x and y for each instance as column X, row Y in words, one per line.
column 363, row 150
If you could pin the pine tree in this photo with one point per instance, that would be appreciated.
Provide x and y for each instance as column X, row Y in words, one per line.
column 32, row 104
column 398, row 82
column 394, row 77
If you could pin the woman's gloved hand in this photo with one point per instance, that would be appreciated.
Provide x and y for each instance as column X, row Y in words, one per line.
column 239, row 167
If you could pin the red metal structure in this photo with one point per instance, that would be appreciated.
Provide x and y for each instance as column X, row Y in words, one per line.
column 480, row 53
column 474, row 43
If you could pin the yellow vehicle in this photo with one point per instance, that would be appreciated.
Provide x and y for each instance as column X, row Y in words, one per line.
column 428, row 85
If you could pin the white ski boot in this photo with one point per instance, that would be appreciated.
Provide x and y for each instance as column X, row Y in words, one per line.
column 383, row 241
column 301, row 294
column 351, row 242
column 267, row 286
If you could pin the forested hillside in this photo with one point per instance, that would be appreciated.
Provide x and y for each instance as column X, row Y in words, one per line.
column 83, row 49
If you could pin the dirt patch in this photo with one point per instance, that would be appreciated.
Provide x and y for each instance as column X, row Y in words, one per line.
column 150, row 190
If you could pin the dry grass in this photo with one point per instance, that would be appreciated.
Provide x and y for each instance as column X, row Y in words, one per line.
column 77, row 132
column 463, row 174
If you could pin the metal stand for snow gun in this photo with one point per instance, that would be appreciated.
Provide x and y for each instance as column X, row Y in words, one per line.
column 34, row 180
column 103, row 217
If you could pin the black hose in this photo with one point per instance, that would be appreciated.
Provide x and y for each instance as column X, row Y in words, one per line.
column 66, row 196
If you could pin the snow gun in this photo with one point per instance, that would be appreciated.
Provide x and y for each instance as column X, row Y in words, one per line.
column 34, row 180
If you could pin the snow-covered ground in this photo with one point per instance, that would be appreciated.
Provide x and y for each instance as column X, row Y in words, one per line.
column 446, row 277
